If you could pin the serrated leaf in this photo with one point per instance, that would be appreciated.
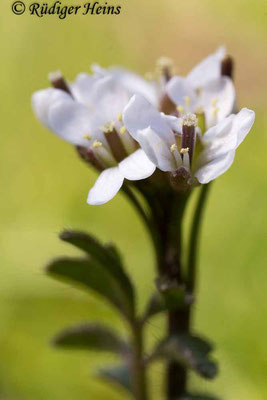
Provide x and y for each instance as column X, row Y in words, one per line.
column 90, row 274
column 171, row 300
column 117, row 374
column 189, row 350
column 93, row 337
column 107, row 255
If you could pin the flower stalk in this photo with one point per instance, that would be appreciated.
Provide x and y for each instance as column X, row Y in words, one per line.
column 139, row 379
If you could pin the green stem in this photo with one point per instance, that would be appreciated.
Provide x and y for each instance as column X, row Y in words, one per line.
column 194, row 238
column 139, row 378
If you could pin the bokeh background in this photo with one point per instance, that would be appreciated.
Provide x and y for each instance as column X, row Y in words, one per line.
column 44, row 187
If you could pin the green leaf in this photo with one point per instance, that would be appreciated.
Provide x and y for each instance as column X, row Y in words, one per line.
column 91, row 337
column 171, row 300
column 119, row 375
column 90, row 274
column 192, row 351
column 106, row 255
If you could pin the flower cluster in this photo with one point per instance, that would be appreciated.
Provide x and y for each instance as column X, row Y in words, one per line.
column 127, row 126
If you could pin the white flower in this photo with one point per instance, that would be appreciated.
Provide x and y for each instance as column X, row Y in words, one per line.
column 132, row 82
column 90, row 115
column 170, row 142
column 204, row 89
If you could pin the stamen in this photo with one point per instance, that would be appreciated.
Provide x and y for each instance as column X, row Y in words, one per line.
column 187, row 101
column 190, row 120
column 181, row 110
column 184, row 150
column 97, row 144
column 214, row 102
column 123, row 129
column 119, row 117
column 87, row 136
column 215, row 111
column 173, row 147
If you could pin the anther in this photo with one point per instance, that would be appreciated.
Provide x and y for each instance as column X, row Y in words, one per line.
column 119, row 117
column 123, row 129
column 87, row 136
column 184, row 150
column 215, row 111
column 187, row 101
column 173, row 147
column 181, row 110
column 97, row 144
column 214, row 102
column 58, row 81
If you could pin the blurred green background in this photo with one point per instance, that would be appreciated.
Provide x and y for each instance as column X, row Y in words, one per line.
column 44, row 188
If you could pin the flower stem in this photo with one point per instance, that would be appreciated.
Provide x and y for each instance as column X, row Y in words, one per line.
column 139, row 379
column 194, row 238
column 180, row 321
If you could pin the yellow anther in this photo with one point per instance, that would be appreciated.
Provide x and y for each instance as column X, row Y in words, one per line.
column 123, row 129
column 173, row 147
column 87, row 136
column 119, row 117
column 187, row 101
column 97, row 144
column 180, row 109
column 184, row 150
column 215, row 111
column 214, row 102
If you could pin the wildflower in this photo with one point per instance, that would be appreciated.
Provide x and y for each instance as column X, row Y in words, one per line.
column 88, row 114
column 204, row 90
column 176, row 145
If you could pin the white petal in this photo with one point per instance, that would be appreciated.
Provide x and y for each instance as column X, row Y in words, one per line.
column 243, row 122
column 215, row 168
column 221, row 142
column 222, row 92
column 136, row 84
column 44, row 99
column 228, row 134
column 157, row 150
column 139, row 114
column 110, row 97
column 174, row 123
column 71, row 121
column 83, row 88
column 179, row 89
column 136, row 166
column 106, row 187
column 207, row 70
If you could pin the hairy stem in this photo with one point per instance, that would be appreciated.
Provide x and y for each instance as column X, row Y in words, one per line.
column 139, row 379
